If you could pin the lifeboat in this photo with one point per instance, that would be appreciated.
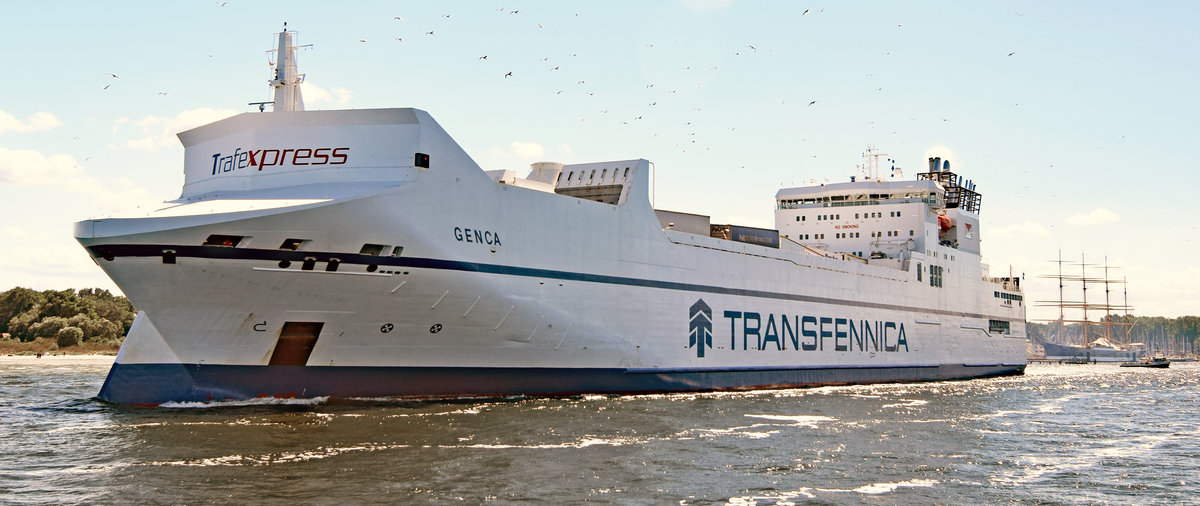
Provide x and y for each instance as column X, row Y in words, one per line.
column 945, row 222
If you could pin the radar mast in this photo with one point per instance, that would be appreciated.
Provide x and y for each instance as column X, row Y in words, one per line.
column 287, row 80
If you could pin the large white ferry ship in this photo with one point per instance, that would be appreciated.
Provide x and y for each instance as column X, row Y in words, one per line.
column 363, row 253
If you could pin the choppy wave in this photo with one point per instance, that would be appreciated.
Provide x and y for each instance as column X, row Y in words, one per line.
column 257, row 401
column 1059, row 434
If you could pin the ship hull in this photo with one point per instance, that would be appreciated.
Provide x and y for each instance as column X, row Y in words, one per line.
column 442, row 283
column 649, row 312
column 154, row 384
column 1093, row 354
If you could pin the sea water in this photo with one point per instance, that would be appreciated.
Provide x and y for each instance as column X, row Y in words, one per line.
column 1060, row 433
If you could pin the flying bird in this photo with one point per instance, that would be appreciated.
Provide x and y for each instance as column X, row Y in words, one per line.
column 813, row 102
column 506, row 76
column 484, row 57
column 114, row 76
column 398, row 18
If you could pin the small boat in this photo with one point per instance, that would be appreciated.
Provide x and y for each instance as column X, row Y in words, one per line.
column 1156, row 362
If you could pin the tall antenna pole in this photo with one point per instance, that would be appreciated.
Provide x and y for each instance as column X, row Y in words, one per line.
column 287, row 80
column 1060, row 300
column 1083, row 270
column 1107, row 307
column 1125, row 301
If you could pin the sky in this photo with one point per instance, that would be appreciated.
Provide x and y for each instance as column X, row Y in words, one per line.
column 1074, row 119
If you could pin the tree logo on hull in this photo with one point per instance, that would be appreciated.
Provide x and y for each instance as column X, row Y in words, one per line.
column 700, row 327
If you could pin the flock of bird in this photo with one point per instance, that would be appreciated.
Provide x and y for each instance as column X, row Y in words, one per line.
column 667, row 93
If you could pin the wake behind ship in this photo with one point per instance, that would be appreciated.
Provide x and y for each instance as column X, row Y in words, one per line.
column 363, row 253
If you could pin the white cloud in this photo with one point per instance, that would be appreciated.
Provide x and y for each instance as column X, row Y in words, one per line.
column 160, row 132
column 1095, row 217
column 39, row 121
column 1019, row 230
column 317, row 95
column 57, row 262
column 25, row 167
column 527, row 150
column 30, row 168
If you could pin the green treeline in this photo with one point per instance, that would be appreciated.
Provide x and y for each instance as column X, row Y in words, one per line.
column 70, row 318
column 1156, row 332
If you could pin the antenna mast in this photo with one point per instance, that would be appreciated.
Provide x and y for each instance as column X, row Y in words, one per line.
column 287, row 80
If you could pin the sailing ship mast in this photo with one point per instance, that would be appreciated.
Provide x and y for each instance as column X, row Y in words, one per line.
column 1083, row 306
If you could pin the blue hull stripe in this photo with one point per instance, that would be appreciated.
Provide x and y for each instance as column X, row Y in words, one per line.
column 153, row 384
column 220, row 252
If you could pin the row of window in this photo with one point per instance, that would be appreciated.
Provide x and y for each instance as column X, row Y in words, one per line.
column 825, row 217
column 890, row 233
column 935, row 275
column 603, row 174
column 853, row 235
column 1009, row 296
column 857, row 199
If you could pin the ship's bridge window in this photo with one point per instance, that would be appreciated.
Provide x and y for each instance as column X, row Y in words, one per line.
column 228, row 241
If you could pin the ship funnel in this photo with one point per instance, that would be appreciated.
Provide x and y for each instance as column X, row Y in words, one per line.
column 946, row 166
column 935, row 163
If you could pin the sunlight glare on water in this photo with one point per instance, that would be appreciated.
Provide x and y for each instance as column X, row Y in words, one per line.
column 1060, row 433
